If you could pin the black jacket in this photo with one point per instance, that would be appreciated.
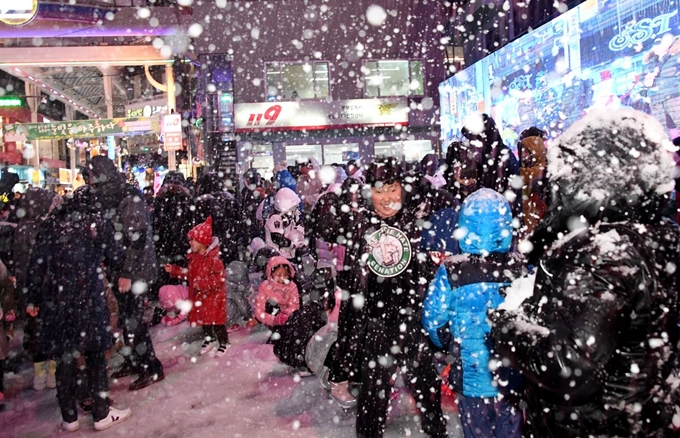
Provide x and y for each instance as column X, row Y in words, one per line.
column 65, row 279
column 172, row 222
column 214, row 201
column 600, row 335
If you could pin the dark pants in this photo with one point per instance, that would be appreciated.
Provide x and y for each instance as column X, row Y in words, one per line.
column 216, row 331
column 2, row 375
column 334, row 367
column 142, row 356
column 488, row 418
column 387, row 350
column 344, row 361
column 67, row 385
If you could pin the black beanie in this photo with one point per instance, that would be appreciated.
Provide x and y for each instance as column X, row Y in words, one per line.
column 384, row 170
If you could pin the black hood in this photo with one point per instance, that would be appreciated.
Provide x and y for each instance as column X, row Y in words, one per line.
column 37, row 202
column 211, row 184
column 109, row 184
column 8, row 181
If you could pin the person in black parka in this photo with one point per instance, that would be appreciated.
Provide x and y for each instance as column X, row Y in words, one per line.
column 172, row 220
column 497, row 163
column 67, row 297
column 215, row 201
column 597, row 343
column 124, row 206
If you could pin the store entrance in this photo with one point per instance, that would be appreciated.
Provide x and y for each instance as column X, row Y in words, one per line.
column 325, row 154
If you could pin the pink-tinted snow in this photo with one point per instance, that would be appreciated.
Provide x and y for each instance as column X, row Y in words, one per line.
column 247, row 393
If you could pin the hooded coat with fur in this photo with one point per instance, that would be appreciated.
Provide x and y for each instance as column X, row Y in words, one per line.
column 597, row 342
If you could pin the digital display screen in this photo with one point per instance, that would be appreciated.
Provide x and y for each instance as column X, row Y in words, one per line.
column 601, row 54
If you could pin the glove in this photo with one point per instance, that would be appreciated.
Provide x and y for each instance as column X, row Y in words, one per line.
column 280, row 319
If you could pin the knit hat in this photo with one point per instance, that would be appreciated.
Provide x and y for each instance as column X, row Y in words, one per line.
column 202, row 233
column 385, row 170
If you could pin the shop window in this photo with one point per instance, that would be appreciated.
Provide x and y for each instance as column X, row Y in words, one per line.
column 409, row 150
column 293, row 81
column 340, row 153
column 326, row 154
column 261, row 158
column 302, row 153
column 393, row 78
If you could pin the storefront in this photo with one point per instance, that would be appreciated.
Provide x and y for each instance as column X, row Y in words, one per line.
column 84, row 139
column 271, row 133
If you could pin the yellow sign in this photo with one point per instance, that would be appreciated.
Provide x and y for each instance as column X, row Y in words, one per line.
column 64, row 176
column 18, row 12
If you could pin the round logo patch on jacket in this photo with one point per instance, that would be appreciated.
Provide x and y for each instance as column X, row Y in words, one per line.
column 389, row 251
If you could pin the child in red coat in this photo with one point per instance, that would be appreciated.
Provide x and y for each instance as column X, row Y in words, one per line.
column 207, row 287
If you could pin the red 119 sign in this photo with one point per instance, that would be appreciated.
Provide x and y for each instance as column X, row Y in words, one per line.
column 270, row 115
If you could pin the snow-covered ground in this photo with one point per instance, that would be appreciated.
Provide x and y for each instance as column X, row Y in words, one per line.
column 246, row 393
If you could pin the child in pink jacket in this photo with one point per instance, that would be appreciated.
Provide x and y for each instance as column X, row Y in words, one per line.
column 279, row 291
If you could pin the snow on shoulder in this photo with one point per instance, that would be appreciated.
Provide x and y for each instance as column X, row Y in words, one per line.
column 611, row 152
column 519, row 290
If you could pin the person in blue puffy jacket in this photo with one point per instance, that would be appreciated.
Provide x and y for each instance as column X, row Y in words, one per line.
column 454, row 315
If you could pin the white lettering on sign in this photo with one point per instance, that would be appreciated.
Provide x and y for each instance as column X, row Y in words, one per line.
column 172, row 132
column 305, row 115
column 633, row 34
column 147, row 111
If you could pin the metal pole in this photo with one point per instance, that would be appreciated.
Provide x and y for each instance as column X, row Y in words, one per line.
column 172, row 107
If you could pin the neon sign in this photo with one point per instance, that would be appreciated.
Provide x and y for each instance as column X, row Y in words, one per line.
column 637, row 33
column 10, row 101
column 19, row 12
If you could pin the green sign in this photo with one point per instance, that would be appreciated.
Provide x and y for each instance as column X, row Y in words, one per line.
column 389, row 251
column 81, row 129
column 10, row 101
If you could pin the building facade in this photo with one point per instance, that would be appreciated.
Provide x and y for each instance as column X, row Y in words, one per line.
column 330, row 80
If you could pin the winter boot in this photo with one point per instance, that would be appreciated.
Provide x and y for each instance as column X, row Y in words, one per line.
column 206, row 347
column 51, row 380
column 340, row 393
column 222, row 350
column 70, row 427
column 40, row 376
column 303, row 372
column 114, row 417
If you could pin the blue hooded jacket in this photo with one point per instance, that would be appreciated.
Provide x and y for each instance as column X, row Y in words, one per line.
column 283, row 178
column 467, row 285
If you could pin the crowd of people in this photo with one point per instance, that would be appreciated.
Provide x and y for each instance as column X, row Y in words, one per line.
column 545, row 282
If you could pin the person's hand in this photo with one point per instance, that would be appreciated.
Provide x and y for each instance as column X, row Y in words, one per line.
column 32, row 310
column 124, row 285
column 280, row 319
column 168, row 268
column 10, row 317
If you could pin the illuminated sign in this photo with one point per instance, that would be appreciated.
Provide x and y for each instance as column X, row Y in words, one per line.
column 637, row 33
column 600, row 54
column 10, row 101
column 147, row 111
column 172, row 132
column 311, row 115
column 18, row 12
column 147, row 108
